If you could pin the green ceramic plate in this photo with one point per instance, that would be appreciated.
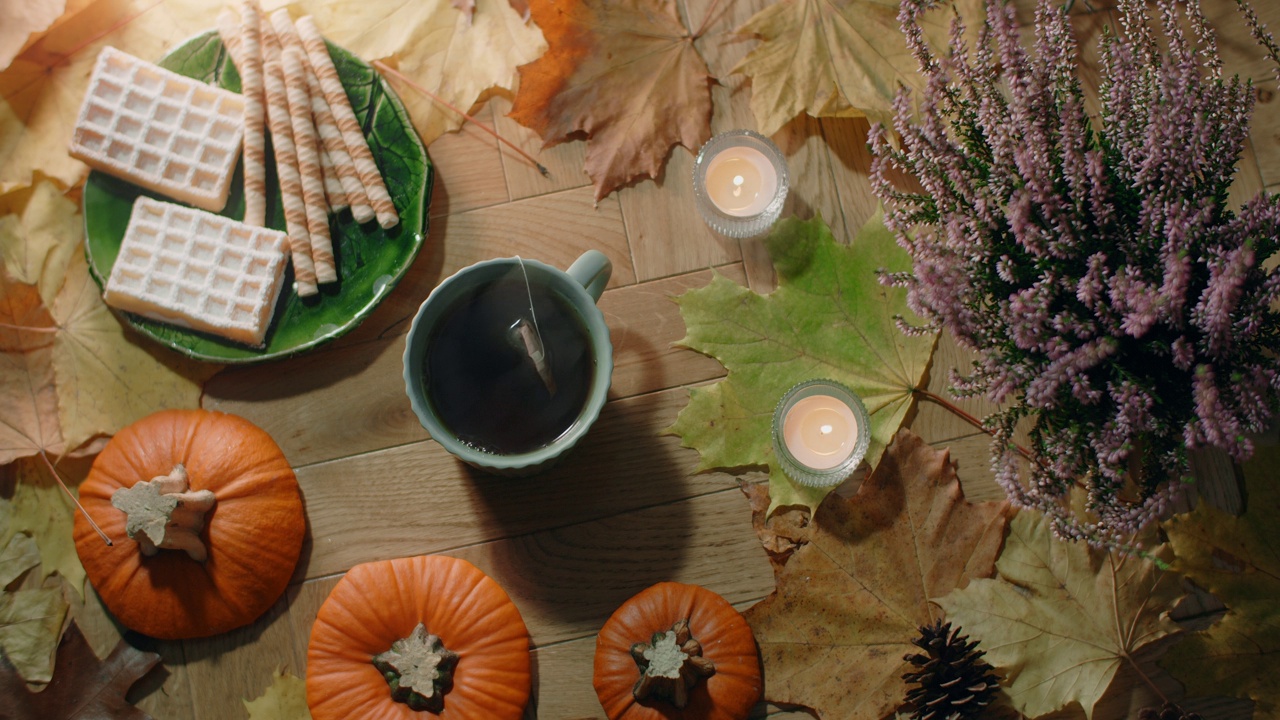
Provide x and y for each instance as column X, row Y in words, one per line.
column 370, row 260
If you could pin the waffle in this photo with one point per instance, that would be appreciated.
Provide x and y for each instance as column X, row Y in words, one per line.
column 159, row 130
column 198, row 270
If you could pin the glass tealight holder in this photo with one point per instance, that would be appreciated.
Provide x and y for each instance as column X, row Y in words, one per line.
column 740, row 183
column 821, row 432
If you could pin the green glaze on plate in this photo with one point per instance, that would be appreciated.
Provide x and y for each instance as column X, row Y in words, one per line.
column 370, row 260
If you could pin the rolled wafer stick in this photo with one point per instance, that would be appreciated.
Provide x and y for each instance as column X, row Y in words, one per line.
column 335, row 147
column 305, row 145
column 334, row 193
column 295, row 212
column 255, row 147
column 352, row 134
column 229, row 31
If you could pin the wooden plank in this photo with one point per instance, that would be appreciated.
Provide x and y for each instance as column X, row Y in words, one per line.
column 622, row 464
column 568, row 581
column 227, row 669
column 564, row 162
column 364, row 381
column 328, row 404
column 667, row 235
column 468, row 170
column 644, row 330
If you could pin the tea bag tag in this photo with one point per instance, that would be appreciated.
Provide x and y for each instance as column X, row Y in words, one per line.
column 528, row 337
column 525, row 337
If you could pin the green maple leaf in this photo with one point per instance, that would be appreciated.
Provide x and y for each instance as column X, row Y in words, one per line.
column 1238, row 560
column 1060, row 618
column 829, row 318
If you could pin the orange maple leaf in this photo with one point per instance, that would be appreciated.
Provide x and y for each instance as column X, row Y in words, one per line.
column 625, row 73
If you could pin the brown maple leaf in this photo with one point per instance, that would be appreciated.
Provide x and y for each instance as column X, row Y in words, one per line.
column 850, row 598
column 29, row 424
column 82, row 687
column 625, row 73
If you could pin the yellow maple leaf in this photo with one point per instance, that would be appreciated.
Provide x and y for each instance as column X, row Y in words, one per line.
column 284, row 699
column 20, row 20
column 834, row 58
column 457, row 57
column 41, row 91
column 103, row 379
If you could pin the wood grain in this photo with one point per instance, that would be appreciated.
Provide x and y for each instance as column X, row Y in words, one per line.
column 623, row 463
column 625, row 508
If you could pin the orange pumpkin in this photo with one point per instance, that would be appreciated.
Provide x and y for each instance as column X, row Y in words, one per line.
column 381, row 610
column 243, row 512
column 715, row 675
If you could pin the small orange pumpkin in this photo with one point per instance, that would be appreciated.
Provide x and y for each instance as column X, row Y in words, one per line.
column 233, row 506
column 677, row 652
column 389, row 619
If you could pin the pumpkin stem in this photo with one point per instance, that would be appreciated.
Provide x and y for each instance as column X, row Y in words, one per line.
column 670, row 665
column 164, row 512
column 419, row 669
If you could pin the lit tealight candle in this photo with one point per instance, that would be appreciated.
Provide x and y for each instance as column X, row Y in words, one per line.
column 740, row 183
column 821, row 432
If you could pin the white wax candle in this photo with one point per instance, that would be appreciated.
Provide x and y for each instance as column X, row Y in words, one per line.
column 820, row 431
column 741, row 181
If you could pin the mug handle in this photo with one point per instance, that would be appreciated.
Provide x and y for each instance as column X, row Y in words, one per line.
column 592, row 270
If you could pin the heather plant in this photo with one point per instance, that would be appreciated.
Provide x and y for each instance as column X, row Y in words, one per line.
column 1118, row 305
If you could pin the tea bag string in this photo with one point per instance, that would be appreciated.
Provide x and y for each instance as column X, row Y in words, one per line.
column 532, row 341
column 529, row 290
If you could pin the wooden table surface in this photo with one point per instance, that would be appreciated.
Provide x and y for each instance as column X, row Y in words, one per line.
column 625, row 509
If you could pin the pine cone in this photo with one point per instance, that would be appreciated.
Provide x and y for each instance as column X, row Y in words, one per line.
column 955, row 683
column 1168, row 711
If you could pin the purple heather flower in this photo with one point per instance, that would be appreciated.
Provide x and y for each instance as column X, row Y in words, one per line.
column 1114, row 302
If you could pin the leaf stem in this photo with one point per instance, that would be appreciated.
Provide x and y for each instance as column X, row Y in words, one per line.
column 957, row 410
column 1145, row 678
column 29, row 328
column 405, row 79
column 58, row 476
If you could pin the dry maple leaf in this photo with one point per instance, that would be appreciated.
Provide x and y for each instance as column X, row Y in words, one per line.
column 1061, row 618
column 1236, row 559
column 468, row 8
column 833, row 58
column 29, row 423
column 30, row 620
column 65, row 360
column 41, row 91
column 625, row 73
column 456, row 56
column 20, row 20
column 82, row 686
column 284, row 699
column 850, row 599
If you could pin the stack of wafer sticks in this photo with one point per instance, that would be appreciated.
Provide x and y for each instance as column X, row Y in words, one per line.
column 323, row 163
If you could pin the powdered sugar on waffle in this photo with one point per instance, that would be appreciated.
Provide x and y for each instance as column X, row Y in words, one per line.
column 199, row 270
column 160, row 130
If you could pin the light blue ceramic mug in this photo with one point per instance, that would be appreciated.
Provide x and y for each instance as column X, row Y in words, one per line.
column 444, row 395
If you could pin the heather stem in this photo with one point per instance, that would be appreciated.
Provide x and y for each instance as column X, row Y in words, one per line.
column 957, row 410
